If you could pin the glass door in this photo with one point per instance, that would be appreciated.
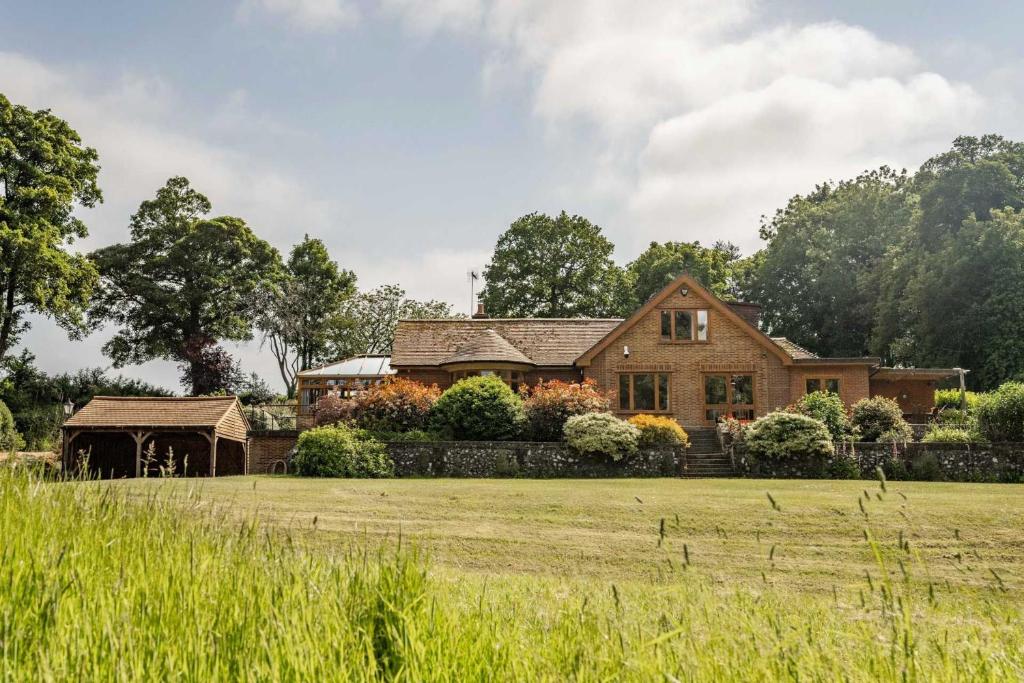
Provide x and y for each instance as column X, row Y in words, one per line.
column 728, row 395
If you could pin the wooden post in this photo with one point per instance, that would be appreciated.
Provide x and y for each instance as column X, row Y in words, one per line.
column 213, row 455
column 963, row 389
column 139, row 438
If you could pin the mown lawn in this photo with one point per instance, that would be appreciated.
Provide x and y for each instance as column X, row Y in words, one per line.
column 284, row 579
column 610, row 529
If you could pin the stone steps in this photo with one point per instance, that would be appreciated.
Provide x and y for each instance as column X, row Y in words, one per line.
column 705, row 457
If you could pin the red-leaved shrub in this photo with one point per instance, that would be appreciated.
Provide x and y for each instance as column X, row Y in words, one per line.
column 549, row 404
column 332, row 409
column 395, row 405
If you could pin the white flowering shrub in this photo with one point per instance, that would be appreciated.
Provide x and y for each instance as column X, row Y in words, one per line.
column 601, row 433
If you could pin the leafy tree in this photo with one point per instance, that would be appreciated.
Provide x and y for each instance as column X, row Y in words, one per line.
column 45, row 171
column 209, row 370
column 366, row 322
column 554, row 267
column 818, row 277
column 183, row 282
column 301, row 307
column 715, row 267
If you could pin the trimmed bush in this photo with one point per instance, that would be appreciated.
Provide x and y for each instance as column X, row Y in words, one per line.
column 395, row 405
column 1001, row 413
column 603, row 434
column 332, row 409
column 10, row 440
column 897, row 434
column 829, row 409
column 341, row 451
column 950, row 399
column 947, row 434
column 549, row 404
column 656, row 430
column 479, row 409
column 878, row 415
column 779, row 436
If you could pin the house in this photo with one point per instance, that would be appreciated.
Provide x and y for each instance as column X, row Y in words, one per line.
column 112, row 435
column 685, row 353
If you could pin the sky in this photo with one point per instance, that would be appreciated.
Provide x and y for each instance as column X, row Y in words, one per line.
column 408, row 134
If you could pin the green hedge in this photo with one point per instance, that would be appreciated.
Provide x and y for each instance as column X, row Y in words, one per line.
column 341, row 451
column 479, row 409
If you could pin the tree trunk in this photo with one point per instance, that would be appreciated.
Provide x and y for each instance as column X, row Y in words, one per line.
column 8, row 314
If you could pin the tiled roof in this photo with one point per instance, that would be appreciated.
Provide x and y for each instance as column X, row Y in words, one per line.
column 487, row 345
column 116, row 411
column 543, row 341
column 795, row 350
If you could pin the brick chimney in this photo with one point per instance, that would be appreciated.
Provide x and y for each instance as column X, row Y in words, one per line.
column 480, row 313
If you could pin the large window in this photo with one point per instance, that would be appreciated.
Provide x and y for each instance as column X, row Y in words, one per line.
column 728, row 395
column 643, row 392
column 684, row 326
column 829, row 384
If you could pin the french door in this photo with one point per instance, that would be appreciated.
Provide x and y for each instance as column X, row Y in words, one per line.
column 728, row 395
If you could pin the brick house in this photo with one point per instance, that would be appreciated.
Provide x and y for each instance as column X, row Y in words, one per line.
column 685, row 353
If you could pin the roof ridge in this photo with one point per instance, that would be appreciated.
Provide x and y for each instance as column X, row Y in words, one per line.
column 165, row 398
column 485, row 321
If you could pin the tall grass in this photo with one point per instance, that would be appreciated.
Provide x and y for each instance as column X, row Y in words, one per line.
column 96, row 587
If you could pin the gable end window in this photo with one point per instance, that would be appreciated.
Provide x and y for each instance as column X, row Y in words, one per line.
column 684, row 325
column 643, row 392
column 829, row 384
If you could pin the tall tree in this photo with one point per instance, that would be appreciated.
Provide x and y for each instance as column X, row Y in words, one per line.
column 366, row 322
column 184, row 282
column 45, row 171
column 715, row 267
column 818, row 279
column 301, row 308
column 554, row 267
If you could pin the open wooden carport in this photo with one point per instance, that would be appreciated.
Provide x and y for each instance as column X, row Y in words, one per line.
column 132, row 437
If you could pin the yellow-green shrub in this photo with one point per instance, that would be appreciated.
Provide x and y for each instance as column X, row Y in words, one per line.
column 657, row 430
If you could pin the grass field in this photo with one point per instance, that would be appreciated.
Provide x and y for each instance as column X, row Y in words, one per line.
column 287, row 579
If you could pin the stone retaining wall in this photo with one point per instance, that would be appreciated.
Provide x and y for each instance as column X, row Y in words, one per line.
column 527, row 459
column 980, row 462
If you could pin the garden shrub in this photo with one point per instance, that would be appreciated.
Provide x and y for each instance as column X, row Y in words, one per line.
column 947, row 434
column 331, row 409
column 395, row 405
column 549, row 404
column 341, row 451
column 411, row 436
column 657, row 430
column 829, row 409
column 479, row 409
column 10, row 440
column 602, row 433
column 898, row 434
column 788, row 435
column 877, row 415
column 1001, row 413
column 843, row 465
column 950, row 399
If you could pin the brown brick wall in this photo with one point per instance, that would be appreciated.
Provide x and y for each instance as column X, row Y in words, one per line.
column 730, row 348
column 853, row 380
column 915, row 397
column 266, row 449
column 443, row 379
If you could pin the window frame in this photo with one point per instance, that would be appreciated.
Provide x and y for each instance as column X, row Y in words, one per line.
column 655, row 375
column 823, row 380
column 694, row 325
column 728, row 408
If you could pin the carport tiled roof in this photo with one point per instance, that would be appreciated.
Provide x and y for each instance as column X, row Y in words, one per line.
column 125, row 411
column 796, row 351
column 545, row 342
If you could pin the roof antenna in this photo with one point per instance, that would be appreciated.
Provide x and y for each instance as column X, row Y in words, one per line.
column 472, row 275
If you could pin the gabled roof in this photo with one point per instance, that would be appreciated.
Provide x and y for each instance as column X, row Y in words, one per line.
column 487, row 346
column 176, row 412
column 545, row 342
column 356, row 366
column 713, row 302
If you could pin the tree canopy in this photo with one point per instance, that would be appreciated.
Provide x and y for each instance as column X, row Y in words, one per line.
column 720, row 268
column 301, row 308
column 183, row 283
column 554, row 267
column 45, row 172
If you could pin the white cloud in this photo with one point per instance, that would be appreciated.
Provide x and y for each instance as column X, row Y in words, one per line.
column 304, row 15
column 704, row 114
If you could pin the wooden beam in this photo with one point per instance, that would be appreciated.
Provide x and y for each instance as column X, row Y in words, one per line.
column 140, row 438
column 213, row 455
